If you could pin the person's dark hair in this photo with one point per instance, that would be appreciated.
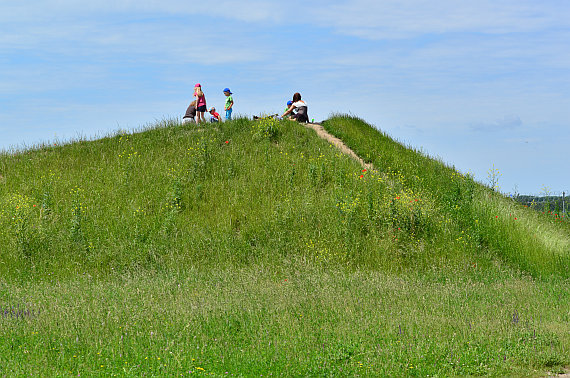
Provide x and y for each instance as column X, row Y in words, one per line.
column 296, row 97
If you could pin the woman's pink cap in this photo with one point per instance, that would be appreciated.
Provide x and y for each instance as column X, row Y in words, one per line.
column 197, row 85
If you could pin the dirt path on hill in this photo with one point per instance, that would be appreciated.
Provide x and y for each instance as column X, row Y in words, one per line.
column 321, row 132
column 338, row 143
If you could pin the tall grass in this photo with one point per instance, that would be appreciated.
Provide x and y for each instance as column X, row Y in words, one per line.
column 295, row 319
column 252, row 248
column 485, row 219
column 181, row 195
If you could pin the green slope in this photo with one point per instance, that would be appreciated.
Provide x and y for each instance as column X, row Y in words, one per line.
column 485, row 220
column 256, row 247
column 178, row 196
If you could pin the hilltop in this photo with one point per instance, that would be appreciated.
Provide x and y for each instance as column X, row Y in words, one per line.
column 267, row 250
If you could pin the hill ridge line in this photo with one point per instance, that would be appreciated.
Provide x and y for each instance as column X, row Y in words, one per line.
column 338, row 143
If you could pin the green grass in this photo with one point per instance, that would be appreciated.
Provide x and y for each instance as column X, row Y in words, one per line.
column 489, row 221
column 296, row 319
column 257, row 248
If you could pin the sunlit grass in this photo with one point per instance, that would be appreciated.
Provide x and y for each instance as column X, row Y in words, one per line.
column 257, row 248
column 486, row 219
column 294, row 319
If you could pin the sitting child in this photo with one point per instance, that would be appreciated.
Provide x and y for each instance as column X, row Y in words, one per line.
column 215, row 116
column 190, row 113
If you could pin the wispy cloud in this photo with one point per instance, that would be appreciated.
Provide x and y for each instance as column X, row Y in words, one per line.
column 508, row 122
column 396, row 19
column 108, row 40
column 249, row 11
column 436, row 73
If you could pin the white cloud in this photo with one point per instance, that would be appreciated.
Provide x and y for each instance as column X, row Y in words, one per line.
column 508, row 122
column 438, row 69
column 109, row 40
column 388, row 19
column 249, row 11
column 371, row 19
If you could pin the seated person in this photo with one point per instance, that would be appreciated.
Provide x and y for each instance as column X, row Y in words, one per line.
column 302, row 114
column 215, row 116
column 289, row 103
column 190, row 113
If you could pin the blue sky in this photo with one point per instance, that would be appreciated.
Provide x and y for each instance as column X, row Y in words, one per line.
column 476, row 84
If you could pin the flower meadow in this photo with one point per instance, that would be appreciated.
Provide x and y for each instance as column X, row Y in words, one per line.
column 254, row 248
column 488, row 221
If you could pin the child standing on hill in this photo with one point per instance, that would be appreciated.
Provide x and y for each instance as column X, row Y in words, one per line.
column 200, row 103
column 229, row 103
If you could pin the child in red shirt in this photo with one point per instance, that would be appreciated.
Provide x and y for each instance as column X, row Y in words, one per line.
column 215, row 116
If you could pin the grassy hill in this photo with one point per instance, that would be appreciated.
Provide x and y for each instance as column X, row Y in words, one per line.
column 257, row 248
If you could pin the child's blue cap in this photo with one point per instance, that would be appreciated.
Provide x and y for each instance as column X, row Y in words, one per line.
column 228, row 90
column 289, row 103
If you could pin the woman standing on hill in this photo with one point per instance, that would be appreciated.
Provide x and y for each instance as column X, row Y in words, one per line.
column 200, row 103
column 302, row 114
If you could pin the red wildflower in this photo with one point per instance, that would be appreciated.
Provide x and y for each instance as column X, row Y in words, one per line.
column 227, row 141
column 364, row 170
column 361, row 176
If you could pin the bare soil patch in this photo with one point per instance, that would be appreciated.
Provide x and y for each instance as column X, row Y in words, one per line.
column 338, row 143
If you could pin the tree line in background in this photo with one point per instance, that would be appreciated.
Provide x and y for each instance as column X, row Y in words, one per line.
column 549, row 203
